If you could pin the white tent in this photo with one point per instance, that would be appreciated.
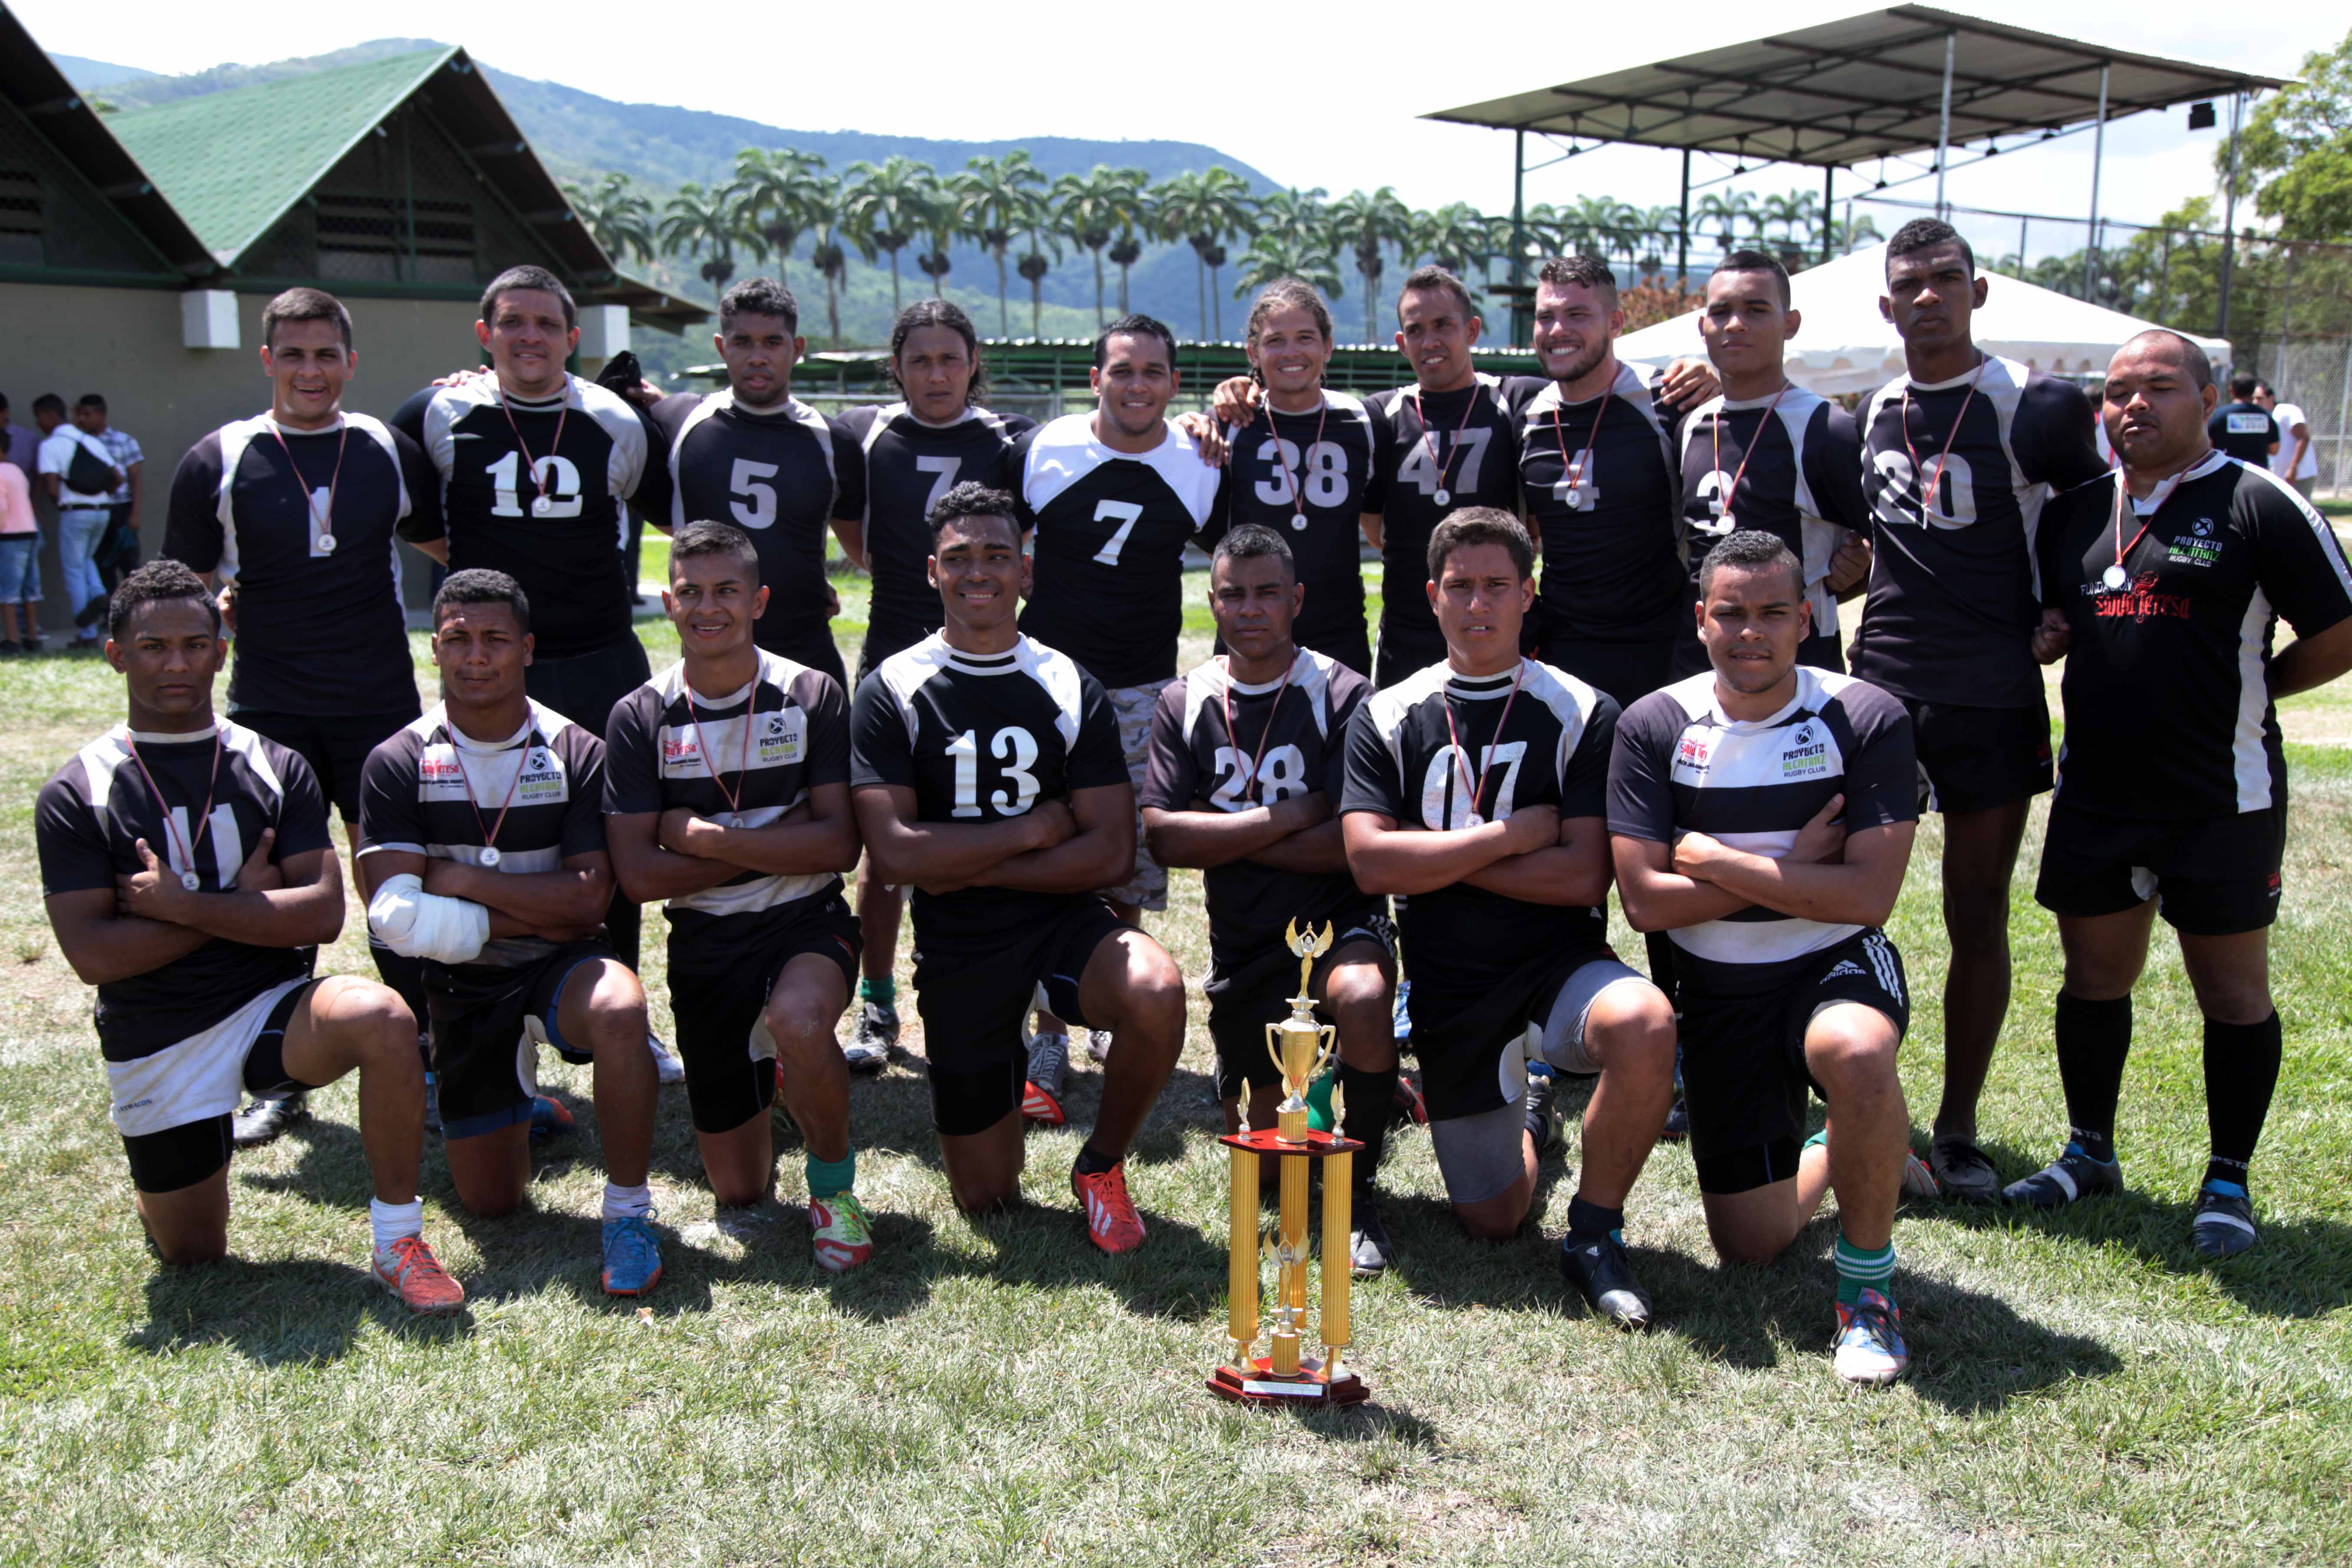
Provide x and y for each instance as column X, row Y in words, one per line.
column 1842, row 344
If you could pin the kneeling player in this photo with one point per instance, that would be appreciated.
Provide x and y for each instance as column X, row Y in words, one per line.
column 189, row 876
column 1762, row 813
column 987, row 772
column 482, row 837
column 1248, row 759
column 762, row 946
column 1475, row 791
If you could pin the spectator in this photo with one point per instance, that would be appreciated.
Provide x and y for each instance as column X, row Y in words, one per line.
column 2241, row 429
column 20, row 559
column 18, row 444
column 2294, row 461
column 80, row 475
column 118, row 550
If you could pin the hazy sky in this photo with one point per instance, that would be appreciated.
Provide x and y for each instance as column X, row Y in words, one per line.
column 1333, row 103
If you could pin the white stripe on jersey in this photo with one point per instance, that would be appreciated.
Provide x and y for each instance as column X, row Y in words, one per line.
column 1310, row 674
column 2001, row 387
column 615, row 414
column 904, row 673
column 1571, row 703
column 800, row 413
column 490, row 768
column 1064, row 451
column 236, row 436
column 1820, row 537
column 881, row 424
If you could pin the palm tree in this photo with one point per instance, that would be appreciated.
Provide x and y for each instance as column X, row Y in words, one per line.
column 1847, row 238
column 1276, row 254
column 998, row 197
column 617, row 214
column 696, row 221
column 1361, row 225
column 1093, row 209
column 1202, row 209
column 1658, row 226
column 1728, row 211
column 821, row 204
column 885, row 208
column 774, row 190
column 943, row 221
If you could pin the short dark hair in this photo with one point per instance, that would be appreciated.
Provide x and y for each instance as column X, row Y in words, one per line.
column 2259, row 386
column 760, row 297
column 2193, row 359
column 2242, row 384
column 304, row 304
column 480, row 586
column 533, row 278
column 49, row 402
column 156, row 583
column 1251, row 540
column 1750, row 549
column 90, row 400
column 1756, row 262
column 1134, row 324
column 708, row 538
column 1581, row 272
column 1926, row 234
column 938, row 313
column 1476, row 525
column 1434, row 277
column 972, row 499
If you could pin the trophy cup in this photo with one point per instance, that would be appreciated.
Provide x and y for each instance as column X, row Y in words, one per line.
column 1300, row 1048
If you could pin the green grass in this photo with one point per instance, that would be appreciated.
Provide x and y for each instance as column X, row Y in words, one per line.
column 990, row 1392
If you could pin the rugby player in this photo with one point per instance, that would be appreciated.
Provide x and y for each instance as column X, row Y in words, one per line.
column 1962, row 452
column 1762, row 813
column 292, row 512
column 762, row 947
column 1474, row 792
column 482, row 849
column 987, row 772
column 2243, row 429
column 189, row 876
column 2172, row 793
column 1248, row 761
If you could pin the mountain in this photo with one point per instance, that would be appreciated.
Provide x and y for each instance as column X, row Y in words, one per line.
column 87, row 75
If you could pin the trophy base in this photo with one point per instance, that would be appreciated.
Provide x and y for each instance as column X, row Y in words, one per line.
column 1265, row 1386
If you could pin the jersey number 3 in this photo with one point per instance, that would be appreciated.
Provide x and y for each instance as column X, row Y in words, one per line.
column 1013, row 747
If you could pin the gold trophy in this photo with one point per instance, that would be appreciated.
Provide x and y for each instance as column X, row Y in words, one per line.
column 1300, row 1048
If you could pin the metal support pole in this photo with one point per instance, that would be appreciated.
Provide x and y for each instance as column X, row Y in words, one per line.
column 2286, row 315
column 2099, row 152
column 2230, row 225
column 1829, row 189
column 2020, row 245
column 2343, row 412
column 1681, row 242
column 1944, row 124
column 1519, row 227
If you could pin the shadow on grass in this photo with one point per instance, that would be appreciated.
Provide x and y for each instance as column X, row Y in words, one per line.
column 275, row 1313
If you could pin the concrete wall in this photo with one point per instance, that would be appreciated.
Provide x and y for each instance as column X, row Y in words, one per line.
column 124, row 345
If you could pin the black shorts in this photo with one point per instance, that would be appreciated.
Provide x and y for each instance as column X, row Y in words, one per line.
column 1462, row 1033
column 1972, row 759
column 1244, row 999
column 2211, row 876
column 813, row 647
column 336, row 746
column 1406, row 646
column 884, row 637
column 1744, row 1074
column 1627, row 671
column 488, row 1020
column 726, row 1077
column 585, row 687
column 182, row 1156
column 972, row 1001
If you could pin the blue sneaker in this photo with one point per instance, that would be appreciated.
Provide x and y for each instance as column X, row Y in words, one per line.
column 1401, row 1019
column 548, row 1118
column 1870, row 1350
column 633, row 1264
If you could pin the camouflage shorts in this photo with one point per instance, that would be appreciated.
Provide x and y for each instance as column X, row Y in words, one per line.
column 1133, row 705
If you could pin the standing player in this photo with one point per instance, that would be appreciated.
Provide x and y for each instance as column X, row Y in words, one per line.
column 900, row 458
column 2243, row 429
column 1248, row 759
column 189, row 876
column 483, row 848
column 2294, row 461
column 1475, row 791
column 1305, row 464
column 987, row 772
column 1762, row 813
column 1962, row 452
column 2165, row 612
column 293, row 513
column 762, row 946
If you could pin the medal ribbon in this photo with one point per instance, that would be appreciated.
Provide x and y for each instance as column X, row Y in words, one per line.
column 554, row 446
column 1225, row 694
column 1476, row 785
column 187, row 848
column 319, row 525
column 1927, row 496
column 1715, row 430
column 1575, row 472
column 1297, row 489
column 734, row 798
column 1446, row 461
column 489, row 831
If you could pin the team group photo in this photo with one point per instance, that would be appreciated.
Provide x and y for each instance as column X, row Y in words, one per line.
column 1623, row 889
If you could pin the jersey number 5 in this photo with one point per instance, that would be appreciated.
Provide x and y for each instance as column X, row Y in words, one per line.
column 1013, row 747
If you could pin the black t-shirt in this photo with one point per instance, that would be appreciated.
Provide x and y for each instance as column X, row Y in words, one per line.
column 1612, row 561
column 775, row 740
column 2168, row 679
column 1286, row 739
column 1311, row 478
column 1462, row 443
column 2242, row 431
column 87, row 825
column 982, row 737
column 1954, row 595
column 320, row 628
column 582, row 455
column 1110, row 530
column 776, row 476
column 1802, row 481
column 893, row 469
column 1552, row 750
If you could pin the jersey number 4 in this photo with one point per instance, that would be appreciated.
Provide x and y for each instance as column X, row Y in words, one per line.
column 1013, row 747
column 1419, row 469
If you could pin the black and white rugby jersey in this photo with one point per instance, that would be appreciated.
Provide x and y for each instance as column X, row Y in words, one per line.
column 1288, row 738
column 982, row 737
column 535, row 490
column 773, row 474
column 305, row 530
column 894, row 468
column 1463, row 445
column 1798, row 461
column 2168, row 677
column 1109, row 534
column 770, row 742
column 87, row 824
column 1548, row 745
column 1611, row 542
column 1681, row 766
column 1311, row 478
column 539, row 794
column 1953, row 592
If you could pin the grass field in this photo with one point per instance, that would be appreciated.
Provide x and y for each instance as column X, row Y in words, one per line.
column 2082, row 1390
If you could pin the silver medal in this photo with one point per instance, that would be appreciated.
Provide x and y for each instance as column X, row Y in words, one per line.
column 2114, row 577
column 490, row 855
column 541, row 506
column 733, row 820
column 190, row 881
column 1444, row 496
column 326, row 545
column 1299, row 521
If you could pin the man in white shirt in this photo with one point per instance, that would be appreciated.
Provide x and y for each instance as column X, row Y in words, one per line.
column 84, row 510
column 2294, row 461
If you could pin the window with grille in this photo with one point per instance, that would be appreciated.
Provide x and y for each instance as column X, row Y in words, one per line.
column 363, row 238
column 21, row 225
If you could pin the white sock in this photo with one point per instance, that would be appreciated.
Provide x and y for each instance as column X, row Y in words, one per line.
column 394, row 1222
column 627, row 1203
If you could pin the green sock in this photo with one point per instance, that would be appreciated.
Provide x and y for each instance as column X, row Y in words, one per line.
column 831, row 1178
column 1319, row 1102
column 1859, row 1271
column 882, row 990
column 1818, row 1140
